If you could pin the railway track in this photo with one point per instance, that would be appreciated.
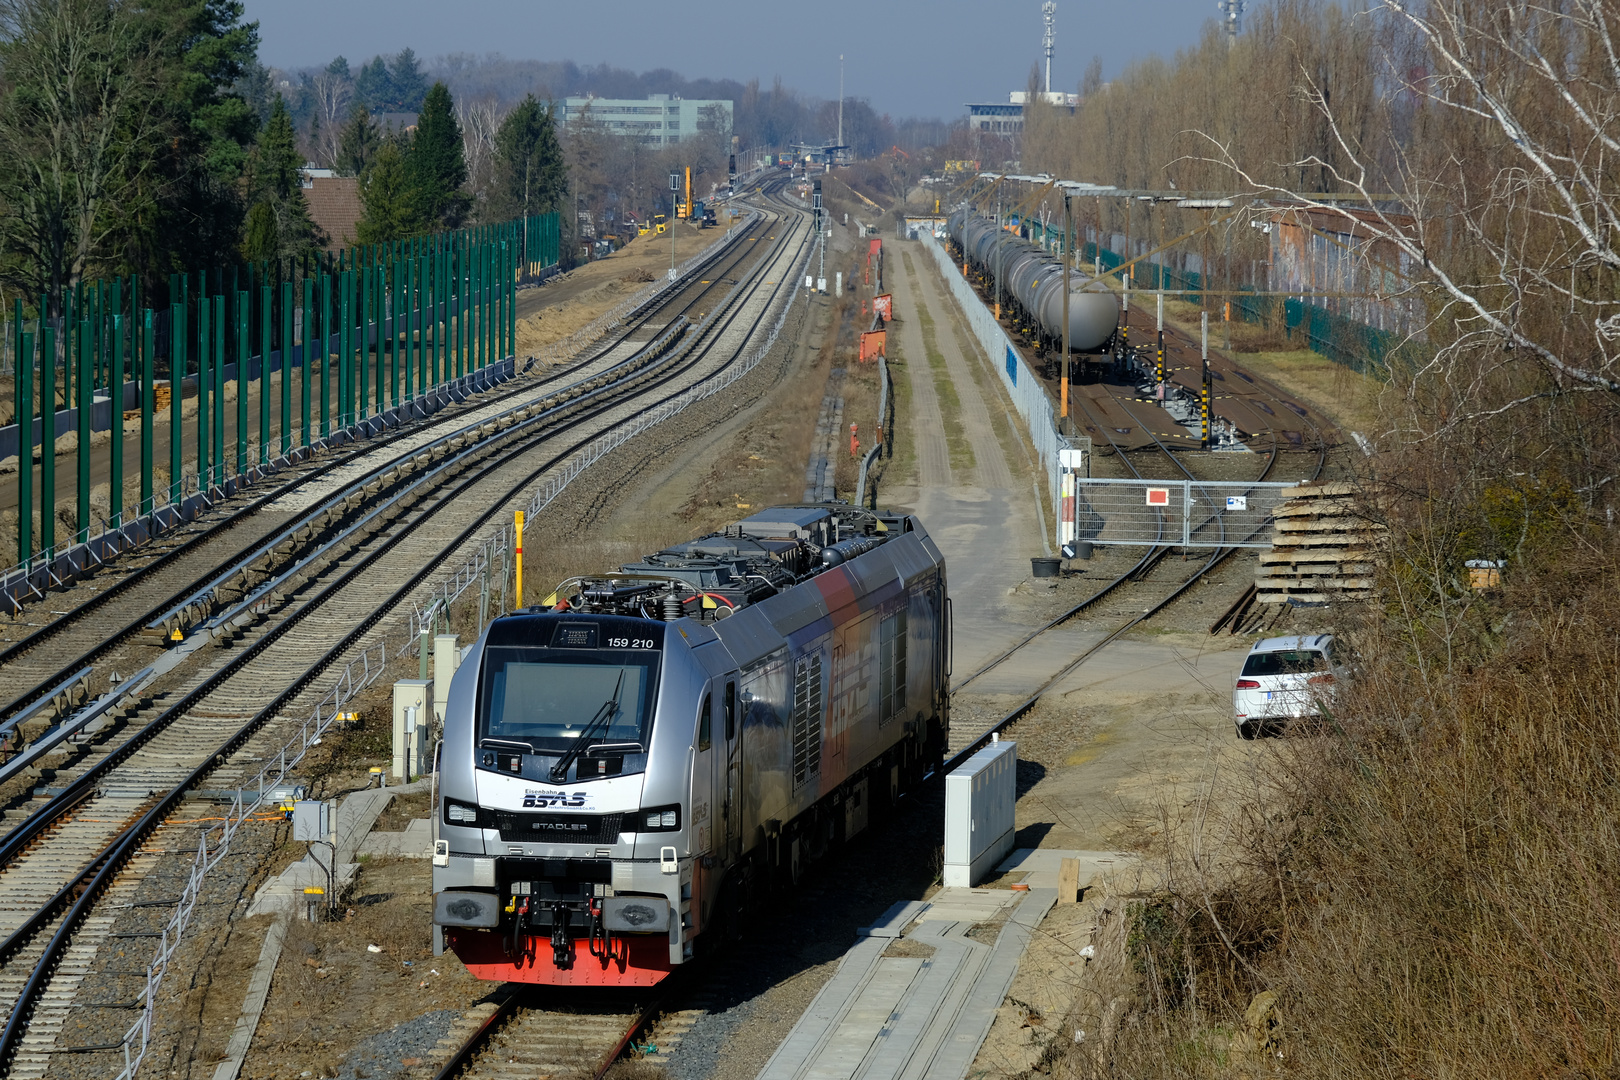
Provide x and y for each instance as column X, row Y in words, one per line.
column 224, row 716
column 1140, row 574
column 521, row 1040
column 101, row 627
column 533, row 1033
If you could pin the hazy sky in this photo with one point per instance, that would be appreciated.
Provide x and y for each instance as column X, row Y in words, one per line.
column 909, row 57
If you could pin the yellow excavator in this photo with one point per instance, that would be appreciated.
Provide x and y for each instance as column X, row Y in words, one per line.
column 683, row 210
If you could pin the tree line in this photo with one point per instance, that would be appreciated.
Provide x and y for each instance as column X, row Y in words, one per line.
column 146, row 138
column 1418, row 885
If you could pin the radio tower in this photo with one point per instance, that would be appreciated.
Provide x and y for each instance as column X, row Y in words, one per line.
column 1232, row 13
column 1049, row 38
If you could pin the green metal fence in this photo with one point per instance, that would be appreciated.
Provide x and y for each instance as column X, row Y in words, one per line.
column 259, row 363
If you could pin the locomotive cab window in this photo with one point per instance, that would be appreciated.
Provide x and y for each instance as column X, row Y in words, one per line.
column 545, row 700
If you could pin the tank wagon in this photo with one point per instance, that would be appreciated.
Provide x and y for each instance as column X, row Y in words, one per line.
column 629, row 769
column 1032, row 286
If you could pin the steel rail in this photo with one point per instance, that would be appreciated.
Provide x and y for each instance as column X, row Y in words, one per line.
column 233, row 563
column 20, row 836
column 1217, row 557
column 123, row 847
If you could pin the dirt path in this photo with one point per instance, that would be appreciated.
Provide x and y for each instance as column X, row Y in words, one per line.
column 974, row 490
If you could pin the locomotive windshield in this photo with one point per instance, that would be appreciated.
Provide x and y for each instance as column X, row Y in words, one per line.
column 547, row 699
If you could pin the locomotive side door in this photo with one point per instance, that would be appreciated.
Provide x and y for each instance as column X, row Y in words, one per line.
column 703, row 785
column 731, row 805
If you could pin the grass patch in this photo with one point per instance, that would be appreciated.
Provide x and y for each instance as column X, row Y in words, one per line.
column 900, row 466
column 950, row 404
column 1348, row 399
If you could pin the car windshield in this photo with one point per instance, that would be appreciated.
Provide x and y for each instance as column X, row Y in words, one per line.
column 547, row 698
column 1285, row 662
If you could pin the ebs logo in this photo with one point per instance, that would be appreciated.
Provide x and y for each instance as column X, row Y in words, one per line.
column 540, row 800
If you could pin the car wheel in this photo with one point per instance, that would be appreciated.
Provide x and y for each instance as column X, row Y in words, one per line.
column 1248, row 730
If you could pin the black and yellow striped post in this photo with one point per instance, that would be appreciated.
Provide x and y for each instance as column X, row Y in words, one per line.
column 1203, row 397
column 1158, row 362
column 1125, row 319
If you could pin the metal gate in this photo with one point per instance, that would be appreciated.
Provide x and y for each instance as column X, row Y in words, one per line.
column 1184, row 513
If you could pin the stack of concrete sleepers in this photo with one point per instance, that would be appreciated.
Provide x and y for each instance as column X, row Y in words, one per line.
column 1322, row 548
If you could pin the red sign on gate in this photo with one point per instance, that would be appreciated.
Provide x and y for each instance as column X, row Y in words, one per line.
column 1158, row 496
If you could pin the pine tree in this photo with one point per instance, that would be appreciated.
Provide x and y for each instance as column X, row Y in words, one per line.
column 407, row 81
column 278, row 224
column 375, row 86
column 359, row 143
column 437, row 163
column 393, row 209
column 531, row 175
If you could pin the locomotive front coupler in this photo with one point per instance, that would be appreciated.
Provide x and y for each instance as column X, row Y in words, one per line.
column 562, row 947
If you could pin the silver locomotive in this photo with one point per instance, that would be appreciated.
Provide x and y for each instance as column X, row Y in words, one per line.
column 627, row 771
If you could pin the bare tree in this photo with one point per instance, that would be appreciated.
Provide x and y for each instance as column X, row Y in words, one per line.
column 333, row 94
column 1504, row 166
column 75, row 129
column 479, row 118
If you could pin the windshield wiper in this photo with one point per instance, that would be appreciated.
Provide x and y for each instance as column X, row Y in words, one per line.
column 559, row 771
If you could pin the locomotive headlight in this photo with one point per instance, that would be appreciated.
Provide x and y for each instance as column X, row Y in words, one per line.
column 456, row 813
column 660, row 818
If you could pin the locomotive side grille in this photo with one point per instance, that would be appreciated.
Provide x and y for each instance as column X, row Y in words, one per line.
column 558, row 828
column 807, row 714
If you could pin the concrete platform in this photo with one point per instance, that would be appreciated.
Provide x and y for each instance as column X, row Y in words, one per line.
column 415, row 841
column 910, row 1017
column 355, row 817
column 1040, row 866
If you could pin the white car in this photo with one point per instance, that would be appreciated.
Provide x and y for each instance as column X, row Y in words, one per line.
column 1284, row 678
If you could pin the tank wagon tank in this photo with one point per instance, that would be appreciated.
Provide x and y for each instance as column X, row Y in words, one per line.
column 631, row 768
column 1032, row 282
